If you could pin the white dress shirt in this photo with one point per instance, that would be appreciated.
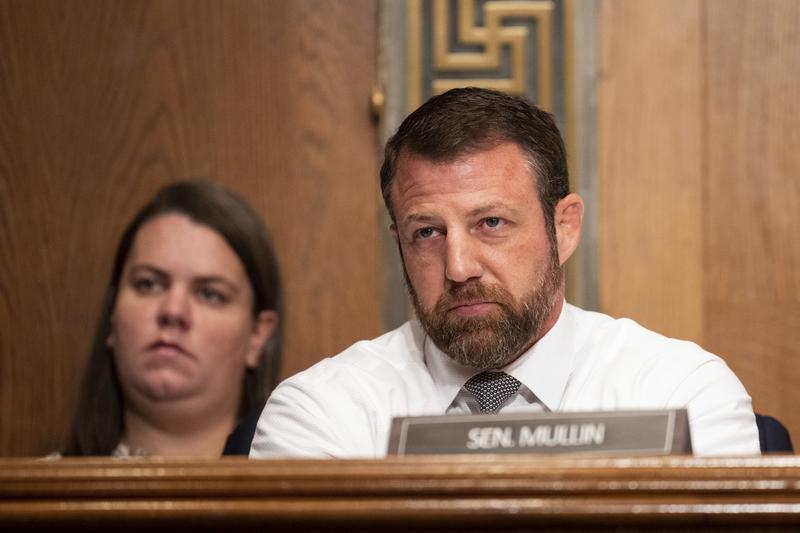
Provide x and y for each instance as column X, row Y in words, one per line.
column 343, row 406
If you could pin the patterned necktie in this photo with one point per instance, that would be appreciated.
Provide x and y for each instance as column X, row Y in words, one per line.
column 492, row 389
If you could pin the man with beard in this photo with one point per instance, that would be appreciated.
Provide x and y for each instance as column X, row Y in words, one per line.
column 476, row 185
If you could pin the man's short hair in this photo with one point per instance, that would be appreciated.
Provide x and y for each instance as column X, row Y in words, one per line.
column 466, row 120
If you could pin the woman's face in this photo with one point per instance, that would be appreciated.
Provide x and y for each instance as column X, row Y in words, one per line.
column 182, row 327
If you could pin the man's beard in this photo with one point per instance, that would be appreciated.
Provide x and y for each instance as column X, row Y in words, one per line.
column 495, row 338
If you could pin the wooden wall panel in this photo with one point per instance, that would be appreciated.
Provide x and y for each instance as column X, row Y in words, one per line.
column 752, row 253
column 102, row 102
column 698, row 104
column 649, row 164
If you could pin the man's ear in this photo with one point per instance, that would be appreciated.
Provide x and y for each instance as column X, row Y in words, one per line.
column 263, row 328
column 393, row 231
column 568, row 217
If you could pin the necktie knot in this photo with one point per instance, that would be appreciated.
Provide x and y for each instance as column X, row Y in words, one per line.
column 492, row 389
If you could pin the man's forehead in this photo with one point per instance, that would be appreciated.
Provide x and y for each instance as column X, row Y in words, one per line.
column 488, row 177
column 407, row 158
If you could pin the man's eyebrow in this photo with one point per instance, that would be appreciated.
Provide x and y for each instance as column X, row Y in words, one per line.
column 482, row 210
column 419, row 217
column 425, row 218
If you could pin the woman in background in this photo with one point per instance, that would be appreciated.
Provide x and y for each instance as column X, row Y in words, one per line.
column 189, row 337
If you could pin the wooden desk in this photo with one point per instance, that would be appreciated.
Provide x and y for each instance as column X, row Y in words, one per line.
column 488, row 493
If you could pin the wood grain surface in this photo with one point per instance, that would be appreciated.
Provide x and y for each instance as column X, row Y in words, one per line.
column 649, row 165
column 752, row 226
column 443, row 493
column 699, row 173
column 103, row 102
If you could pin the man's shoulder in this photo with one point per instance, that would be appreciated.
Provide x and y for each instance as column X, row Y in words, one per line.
column 625, row 365
column 624, row 338
column 628, row 365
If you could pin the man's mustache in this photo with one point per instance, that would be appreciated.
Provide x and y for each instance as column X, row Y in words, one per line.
column 469, row 292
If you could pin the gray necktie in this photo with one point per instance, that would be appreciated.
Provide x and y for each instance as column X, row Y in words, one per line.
column 492, row 389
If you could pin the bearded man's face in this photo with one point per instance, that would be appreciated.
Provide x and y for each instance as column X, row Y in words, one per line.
column 481, row 265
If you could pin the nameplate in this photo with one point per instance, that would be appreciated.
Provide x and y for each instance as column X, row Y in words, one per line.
column 639, row 432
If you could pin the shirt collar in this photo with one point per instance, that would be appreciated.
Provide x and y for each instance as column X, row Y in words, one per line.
column 544, row 369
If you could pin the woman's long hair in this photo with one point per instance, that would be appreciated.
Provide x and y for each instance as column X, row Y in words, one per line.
column 98, row 424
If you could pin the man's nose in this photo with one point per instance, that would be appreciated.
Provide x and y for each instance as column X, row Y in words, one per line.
column 463, row 260
column 174, row 309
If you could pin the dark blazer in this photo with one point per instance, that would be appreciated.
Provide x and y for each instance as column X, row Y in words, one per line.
column 239, row 440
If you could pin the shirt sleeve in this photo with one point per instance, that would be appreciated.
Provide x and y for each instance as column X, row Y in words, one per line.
column 310, row 419
column 721, row 419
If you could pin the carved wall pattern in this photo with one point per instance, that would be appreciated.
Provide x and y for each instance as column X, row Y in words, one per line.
column 512, row 46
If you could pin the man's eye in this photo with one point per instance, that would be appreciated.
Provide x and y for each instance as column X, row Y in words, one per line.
column 493, row 222
column 426, row 233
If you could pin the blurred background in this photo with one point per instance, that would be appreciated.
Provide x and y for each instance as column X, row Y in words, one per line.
column 682, row 119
